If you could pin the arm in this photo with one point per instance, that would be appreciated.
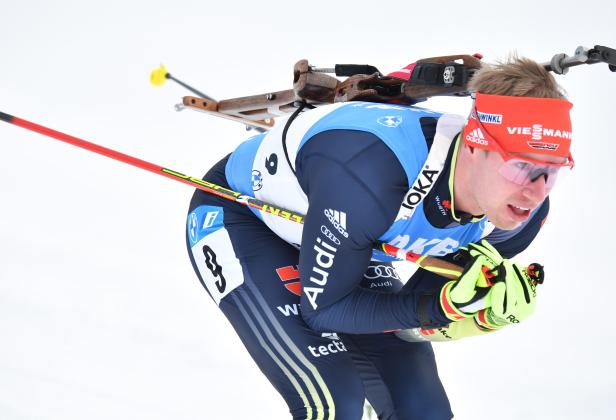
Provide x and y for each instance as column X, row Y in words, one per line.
column 508, row 244
column 355, row 186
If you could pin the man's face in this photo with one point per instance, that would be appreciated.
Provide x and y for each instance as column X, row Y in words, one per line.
column 505, row 203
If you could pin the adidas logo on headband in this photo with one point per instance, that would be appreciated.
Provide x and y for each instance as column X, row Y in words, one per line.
column 476, row 136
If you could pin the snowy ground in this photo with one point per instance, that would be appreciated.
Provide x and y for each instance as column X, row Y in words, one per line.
column 101, row 315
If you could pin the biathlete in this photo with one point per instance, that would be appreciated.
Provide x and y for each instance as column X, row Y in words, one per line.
column 315, row 305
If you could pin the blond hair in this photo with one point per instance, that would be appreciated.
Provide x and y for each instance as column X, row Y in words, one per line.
column 518, row 76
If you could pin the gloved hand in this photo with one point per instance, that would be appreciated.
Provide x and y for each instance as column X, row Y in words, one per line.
column 486, row 249
column 485, row 319
column 512, row 299
column 454, row 331
column 462, row 298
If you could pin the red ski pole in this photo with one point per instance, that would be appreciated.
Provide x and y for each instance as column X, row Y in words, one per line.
column 444, row 268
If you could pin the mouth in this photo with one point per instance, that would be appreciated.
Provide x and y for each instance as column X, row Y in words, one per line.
column 519, row 214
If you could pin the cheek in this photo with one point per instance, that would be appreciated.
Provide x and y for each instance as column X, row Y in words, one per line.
column 497, row 191
column 492, row 191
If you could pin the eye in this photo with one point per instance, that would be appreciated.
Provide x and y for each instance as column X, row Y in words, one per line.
column 522, row 165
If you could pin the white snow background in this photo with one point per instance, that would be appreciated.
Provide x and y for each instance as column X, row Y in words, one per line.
column 101, row 315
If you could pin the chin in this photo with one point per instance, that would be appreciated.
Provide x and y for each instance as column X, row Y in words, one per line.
column 503, row 223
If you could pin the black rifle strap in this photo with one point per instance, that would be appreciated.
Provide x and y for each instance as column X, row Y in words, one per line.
column 302, row 105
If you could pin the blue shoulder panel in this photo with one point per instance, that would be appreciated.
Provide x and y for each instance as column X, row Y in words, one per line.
column 238, row 177
column 397, row 126
column 237, row 170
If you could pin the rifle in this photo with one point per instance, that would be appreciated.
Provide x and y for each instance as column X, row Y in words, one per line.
column 428, row 77
column 435, row 76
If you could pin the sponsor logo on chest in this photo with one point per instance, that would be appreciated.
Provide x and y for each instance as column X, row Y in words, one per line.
column 424, row 246
column 420, row 188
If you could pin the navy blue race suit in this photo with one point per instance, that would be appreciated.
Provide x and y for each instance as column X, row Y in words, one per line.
column 314, row 314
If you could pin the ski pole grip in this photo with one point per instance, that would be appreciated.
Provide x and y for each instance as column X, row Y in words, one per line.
column 440, row 267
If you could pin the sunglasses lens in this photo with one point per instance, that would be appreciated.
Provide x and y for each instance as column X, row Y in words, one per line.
column 523, row 172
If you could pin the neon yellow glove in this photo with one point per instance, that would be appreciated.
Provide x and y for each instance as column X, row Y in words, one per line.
column 454, row 331
column 513, row 304
column 486, row 249
column 513, row 299
column 463, row 297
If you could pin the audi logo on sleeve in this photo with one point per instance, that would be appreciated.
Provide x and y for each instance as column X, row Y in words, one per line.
column 329, row 235
column 324, row 260
column 381, row 272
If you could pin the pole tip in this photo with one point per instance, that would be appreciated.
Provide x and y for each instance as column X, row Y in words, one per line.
column 158, row 76
column 6, row 117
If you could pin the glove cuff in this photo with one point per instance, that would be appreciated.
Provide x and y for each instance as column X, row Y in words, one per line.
column 425, row 307
column 486, row 321
column 448, row 307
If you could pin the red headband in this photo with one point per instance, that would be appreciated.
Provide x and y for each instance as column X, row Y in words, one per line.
column 520, row 124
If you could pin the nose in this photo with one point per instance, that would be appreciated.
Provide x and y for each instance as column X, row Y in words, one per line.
column 536, row 190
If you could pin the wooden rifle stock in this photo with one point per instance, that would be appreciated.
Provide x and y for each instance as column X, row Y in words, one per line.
column 318, row 88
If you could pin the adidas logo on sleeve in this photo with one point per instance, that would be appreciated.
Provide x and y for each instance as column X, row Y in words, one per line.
column 338, row 219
